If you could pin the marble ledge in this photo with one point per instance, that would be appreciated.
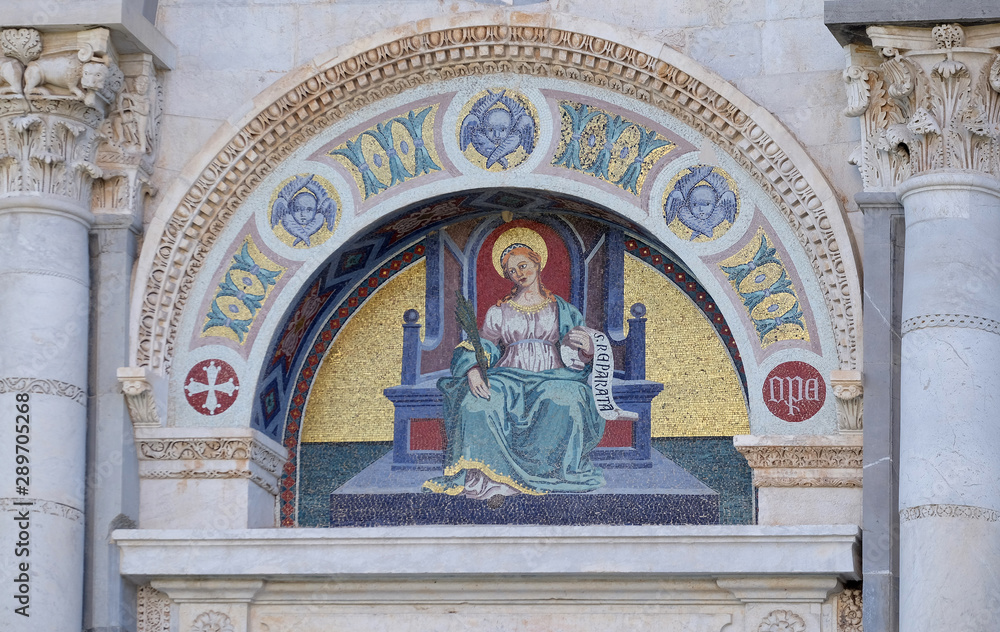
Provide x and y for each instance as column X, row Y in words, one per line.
column 592, row 551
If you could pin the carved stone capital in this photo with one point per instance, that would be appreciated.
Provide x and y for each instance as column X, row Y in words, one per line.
column 210, row 453
column 803, row 460
column 145, row 395
column 928, row 98
column 848, row 389
column 54, row 91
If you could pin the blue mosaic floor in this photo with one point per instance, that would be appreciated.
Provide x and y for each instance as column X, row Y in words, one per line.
column 662, row 494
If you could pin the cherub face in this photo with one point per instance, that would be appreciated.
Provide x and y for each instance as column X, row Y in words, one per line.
column 522, row 270
column 497, row 125
column 303, row 208
column 701, row 201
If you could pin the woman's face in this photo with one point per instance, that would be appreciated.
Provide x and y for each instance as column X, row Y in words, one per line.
column 522, row 270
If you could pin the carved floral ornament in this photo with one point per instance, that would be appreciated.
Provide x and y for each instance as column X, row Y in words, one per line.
column 930, row 101
column 193, row 222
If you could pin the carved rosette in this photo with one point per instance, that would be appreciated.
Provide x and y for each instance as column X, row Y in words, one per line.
column 932, row 102
column 782, row 621
column 803, row 461
column 212, row 621
column 848, row 389
column 54, row 91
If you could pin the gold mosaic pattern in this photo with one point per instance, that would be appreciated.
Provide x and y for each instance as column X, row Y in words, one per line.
column 242, row 292
column 607, row 146
column 759, row 277
column 392, row 151
column 346, row 403
column 701, row 394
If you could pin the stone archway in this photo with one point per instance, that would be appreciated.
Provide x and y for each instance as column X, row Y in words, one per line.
column 189, row 221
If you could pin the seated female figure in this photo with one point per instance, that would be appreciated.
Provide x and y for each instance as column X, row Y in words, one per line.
column 529, row 425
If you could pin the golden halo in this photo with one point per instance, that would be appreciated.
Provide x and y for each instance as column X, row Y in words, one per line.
column 519, row 235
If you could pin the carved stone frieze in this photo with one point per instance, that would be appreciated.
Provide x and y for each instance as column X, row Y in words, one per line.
column 245, row 448
column 932, row 102
column 803, row 460
column 152, row 610
column 848, row 389
column 341, row 88
column 849, row 609
column 43, row 387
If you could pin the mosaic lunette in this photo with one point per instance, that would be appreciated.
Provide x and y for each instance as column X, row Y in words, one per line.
column 769, row 296
column 244, row 289
column 392, row 151
column 607, row 146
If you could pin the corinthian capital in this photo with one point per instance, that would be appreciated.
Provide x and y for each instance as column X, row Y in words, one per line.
column 928, row 98
column 55, row 89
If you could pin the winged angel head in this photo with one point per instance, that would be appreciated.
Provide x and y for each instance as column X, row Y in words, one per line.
column 302, row 208
column 496, row 126
column 701, row 200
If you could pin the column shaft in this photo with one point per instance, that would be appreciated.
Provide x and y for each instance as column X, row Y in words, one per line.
column 44, row 308
column 949, row 490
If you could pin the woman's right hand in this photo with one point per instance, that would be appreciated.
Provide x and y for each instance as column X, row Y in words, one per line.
column 477, row 384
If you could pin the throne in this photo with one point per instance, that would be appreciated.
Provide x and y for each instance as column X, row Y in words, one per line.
column 419, row 436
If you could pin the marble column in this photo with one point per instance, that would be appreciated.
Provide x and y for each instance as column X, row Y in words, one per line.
column 949, row 484
column 47, row 143
column 929, row 102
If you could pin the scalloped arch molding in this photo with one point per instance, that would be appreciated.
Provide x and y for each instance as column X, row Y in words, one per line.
column 197, row 208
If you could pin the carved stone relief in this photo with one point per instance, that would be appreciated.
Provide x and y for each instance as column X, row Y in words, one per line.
column 849, row 611
column 152, row 610
column 782, row 621
column 54, row 92
column 931, row 103
column 848, row 389
column 822, row 462
column 212, row 621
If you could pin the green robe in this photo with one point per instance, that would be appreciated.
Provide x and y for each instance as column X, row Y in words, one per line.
column 534, row 433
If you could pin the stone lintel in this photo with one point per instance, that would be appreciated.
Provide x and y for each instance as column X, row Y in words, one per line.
column 397, row 553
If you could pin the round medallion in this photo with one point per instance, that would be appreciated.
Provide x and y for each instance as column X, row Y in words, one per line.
column 701, row 203
column 497, row 129
column 794, row 391
column 211, row 387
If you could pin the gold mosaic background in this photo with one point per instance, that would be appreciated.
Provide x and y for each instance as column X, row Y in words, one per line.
column 346, row 402
column 702, row 395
